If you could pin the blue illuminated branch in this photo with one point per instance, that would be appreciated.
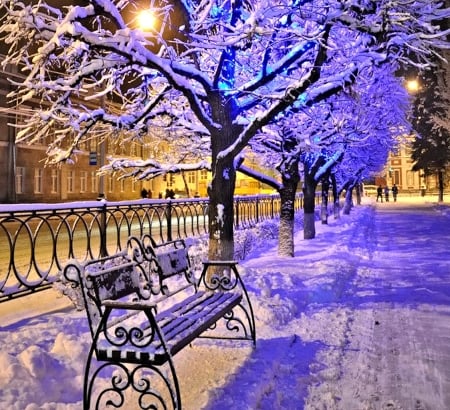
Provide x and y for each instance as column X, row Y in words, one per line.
column 268, row 74
column 225, row 73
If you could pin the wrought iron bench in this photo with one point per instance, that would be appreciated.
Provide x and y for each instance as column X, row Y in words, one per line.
column 143, row 306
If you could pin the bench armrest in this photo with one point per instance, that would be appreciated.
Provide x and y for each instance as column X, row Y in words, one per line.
column 220, row 263
column 117, row 304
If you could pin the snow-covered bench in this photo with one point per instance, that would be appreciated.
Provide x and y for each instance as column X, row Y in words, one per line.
column 143, row 306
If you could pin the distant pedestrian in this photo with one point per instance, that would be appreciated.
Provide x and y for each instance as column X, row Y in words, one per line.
column 380, row 193
column 386, row 193
column 144, row 193
column 394, row 192
column 170, row 194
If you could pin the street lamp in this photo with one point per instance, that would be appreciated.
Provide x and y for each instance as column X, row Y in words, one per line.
column 146, row 20
column 413, row 86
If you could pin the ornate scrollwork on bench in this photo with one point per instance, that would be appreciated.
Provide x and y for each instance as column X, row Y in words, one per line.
column 143, row 306
column 223, row 276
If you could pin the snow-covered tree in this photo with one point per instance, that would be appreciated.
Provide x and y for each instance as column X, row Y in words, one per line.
column 431, row 147
column 352, row 131
column 380, row 110
column 219, row 69
column 370, row 113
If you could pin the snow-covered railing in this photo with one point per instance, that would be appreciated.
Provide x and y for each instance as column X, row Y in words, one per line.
column 38, row 239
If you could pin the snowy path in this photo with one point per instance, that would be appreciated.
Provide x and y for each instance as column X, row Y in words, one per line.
column 396, row 353
column 359, row 319
column 371, row 301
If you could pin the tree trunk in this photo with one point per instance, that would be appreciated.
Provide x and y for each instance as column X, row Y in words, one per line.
column 309, row 203
column 441, row 185
column 221, row 189
column 186, row 185
column 324, row 206
column 358, row 194
column 348, row 201
column 336, row 206
column 290, row 180
column 221, row 212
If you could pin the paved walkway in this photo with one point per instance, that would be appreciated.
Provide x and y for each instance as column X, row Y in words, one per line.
column 396, row 349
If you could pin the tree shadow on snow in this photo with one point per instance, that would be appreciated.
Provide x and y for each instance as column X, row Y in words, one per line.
column 276, row 376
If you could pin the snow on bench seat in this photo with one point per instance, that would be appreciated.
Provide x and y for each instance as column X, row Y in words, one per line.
column 180, row 325
column 144, row 304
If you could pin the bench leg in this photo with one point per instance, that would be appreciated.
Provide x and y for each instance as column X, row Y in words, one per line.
column 130, row 386
column 223, row 276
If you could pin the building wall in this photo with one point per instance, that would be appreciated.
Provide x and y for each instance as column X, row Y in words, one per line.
column 398, row 170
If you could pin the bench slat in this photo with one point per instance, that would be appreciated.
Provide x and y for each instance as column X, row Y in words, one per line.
column 194, row 323
column 180, row 329
column 197, row 311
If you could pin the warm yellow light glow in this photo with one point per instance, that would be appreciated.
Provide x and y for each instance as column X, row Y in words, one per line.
column 412, row 86
column 146, row 20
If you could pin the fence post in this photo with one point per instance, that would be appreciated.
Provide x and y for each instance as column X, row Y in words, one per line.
column 237, row 212
column 169, row 220
column 103, row 229
column 257, row 209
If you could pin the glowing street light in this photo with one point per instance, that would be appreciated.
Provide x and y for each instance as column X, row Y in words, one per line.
column 412, row 86
column 146, row 20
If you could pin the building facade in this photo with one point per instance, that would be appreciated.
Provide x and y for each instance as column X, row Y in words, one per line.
column 398, row 170
column 26, row 179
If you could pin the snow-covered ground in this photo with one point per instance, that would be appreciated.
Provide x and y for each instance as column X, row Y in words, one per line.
column 358, row 319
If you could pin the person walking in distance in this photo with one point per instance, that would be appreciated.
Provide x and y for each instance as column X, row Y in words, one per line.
column 380, row 193
column 394, row 192
column 386, row 193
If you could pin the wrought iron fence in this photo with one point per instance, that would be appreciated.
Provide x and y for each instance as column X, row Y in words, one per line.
column 38, row 239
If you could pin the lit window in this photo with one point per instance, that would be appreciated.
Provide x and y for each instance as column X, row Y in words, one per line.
column 94, row 182
column 38, row 173
column 20, row 177
column 55, row 181
column 110, row 183
column 191, row 177
column 71, row 181
column 83, row 181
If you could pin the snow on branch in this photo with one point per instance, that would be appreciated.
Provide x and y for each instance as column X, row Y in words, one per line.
column 148, row 169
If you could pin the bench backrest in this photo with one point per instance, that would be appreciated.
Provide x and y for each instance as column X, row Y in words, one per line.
column 170, row 263
column 144, row 271
column 114, row 277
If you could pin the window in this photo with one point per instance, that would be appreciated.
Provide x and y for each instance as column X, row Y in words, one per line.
column 410, row 179
column 38, row 174
column 20, row 178
column 396, row 177
column 55, row 181
column 169, row 179
column 203, row 174
column 83, row 181
column 191, row 177
column 71, row 181
column 94, row 182
column 110, row 184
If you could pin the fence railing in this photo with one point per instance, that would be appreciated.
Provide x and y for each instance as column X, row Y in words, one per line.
column 36, row 240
